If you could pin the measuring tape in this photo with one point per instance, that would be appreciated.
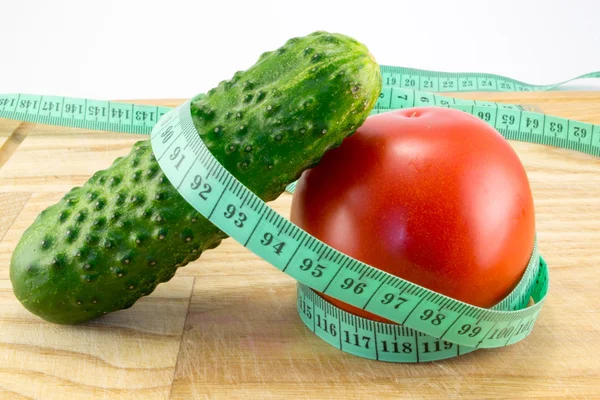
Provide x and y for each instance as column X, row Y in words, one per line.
column 436, row 81
column 134, row 118
column 432, row 326
column 320, row 267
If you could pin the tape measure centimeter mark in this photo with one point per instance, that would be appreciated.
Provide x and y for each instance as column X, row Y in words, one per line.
column 81, row 113
column 509, row 119
column 397, row 343
column 437, row 81
column 369, row 339
column 250, row 221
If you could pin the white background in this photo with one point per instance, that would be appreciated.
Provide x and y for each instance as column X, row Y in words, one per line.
column 125, row 49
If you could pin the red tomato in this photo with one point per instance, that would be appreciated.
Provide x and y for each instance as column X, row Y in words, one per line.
column 433, row 195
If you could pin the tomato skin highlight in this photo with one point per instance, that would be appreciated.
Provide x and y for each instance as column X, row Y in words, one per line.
column 433, row 195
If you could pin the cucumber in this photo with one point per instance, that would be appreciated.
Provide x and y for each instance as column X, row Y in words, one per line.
column 127, row 229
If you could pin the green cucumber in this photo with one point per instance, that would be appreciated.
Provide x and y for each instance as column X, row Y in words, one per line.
column 127, row 229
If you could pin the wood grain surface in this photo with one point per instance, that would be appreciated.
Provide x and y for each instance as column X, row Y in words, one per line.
column 226, row 326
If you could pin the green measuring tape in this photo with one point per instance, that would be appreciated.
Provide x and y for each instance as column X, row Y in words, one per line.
column 81, row 113
column 401, row 88
column 436, row 81
column 318, row 266
column 432, row 326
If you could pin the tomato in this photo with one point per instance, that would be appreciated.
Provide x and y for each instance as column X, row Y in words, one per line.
column 433, row 195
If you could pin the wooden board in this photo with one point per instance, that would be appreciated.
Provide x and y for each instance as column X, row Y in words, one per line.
column 226, row 326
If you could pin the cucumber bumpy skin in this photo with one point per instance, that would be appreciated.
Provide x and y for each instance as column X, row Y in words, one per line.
column 127, row 229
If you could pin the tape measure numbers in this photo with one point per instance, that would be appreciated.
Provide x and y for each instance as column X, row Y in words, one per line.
column 436, row 81
column 134, row 118
column 509, row 119
column 397, row 343
column 432, row 326
column 81, row 113
column 320, row 267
